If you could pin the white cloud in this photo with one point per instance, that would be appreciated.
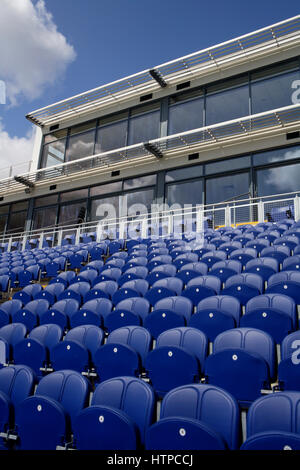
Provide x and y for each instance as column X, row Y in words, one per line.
column 15, row 152
column 33, row 53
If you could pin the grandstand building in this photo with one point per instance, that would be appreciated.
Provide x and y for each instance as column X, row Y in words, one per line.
column 218, row 125
column 150, row 265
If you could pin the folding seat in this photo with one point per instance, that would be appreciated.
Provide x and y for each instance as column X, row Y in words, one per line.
column 185, row 258
column 97, row 264
column 158, row 261
column 7, row 309
column 244, row 238
column 243, row 286
column 162, row 288
column 65, row 278
column 85, row 276
column 201, row 287
column 230, row 246
column 44, row 420
column 279, row 252
column 203, row 249
column 287, row 283
column 274, row 313
column 264, row 266
column 29, row 275
column 290, row 241
column 288, row 368
column 107, row 274
column 56, row 265
column 34, row 351
column 77, row 350
column 124, row 353
column 190, row 420
column 242, row 362
column 115, row 263
column 213, row 257
column 92, row 312
column 115, row 246
column 30, row 314
column 233, row 233
column 78, row 259
column 137, row 272
column 138, row 261
column 181, row 250
column 177, row 359
column 273, row 423
column 137, row 254
column 292, row 263
column 17, row 382
column 130, row 311
column 27, row 293
column 224, row 269
column 60, row 313
column 157, row 252
column 10, row 335
column 51, row 293
column 115, row 420
column 191, row 270
column 258, row 244
column 135, row 288
column 244, row 255
column 16, row 263
column 14, row 275
column 216, row 314
column 119, row 255
column 170, row 312
column 77, row 291
column 102, row 289
column 176, row 244
column 43, row 265
column 270, row 235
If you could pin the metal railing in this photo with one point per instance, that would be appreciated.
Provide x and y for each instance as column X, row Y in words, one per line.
column 164, row 222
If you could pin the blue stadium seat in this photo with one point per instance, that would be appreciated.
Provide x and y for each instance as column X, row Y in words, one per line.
column 160, row 272
column 177, row 359
column 285, row 282
column 7, row 309
column 89, row 275
column 116, row 420
column 170, row 312
column 107, row 274
column 27, row 293
column 273, row 423
column 185, row 258
column 30, row 274
column 60, row 313
column 278, row 252
column 137, row 272
column 51, row 293
column 201, row 287
column 77, row 291
column 274, row 313
column 291, row 264
column 243, row 255
column 33, row 351
column 216, row 314
column 134, row 288
column 102, row 289
column 77, row 350
column 45, row 420
column 190, row 420
column 124, row 353
column 30, row 314
column 288, row 368
column 213, row 257
column 191, row 270
column 78, row 259
column 130, row 311
column 224, row 269
column 10, row 335
column 264, row 266
column 65, row 278
column 242, row 362
column 17, row 382
column 92, row 312
column 229, row 247
column 243, row 286
column 162, row 288
column 96, row 264
column 258, row 244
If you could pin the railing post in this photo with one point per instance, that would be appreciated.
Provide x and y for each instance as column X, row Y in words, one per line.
column 200, row 218
column 227, row 216
column 24, row 242
column 9, row 244
column 296, row 208
column 261, row 211
column 99, row 232
column 122, row 224
column 59, row 237
column 170, row 224
column 41, row 241
column 145, row 228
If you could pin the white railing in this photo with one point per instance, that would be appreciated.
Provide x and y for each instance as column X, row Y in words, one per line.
column 164, row 222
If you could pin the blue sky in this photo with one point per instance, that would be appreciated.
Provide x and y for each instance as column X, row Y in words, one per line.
column 87, row 43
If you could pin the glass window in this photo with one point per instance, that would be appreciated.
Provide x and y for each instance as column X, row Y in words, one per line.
column 83, row 127
column 68, row 214
column 138, row 202
column 54, row 153
column 224, row 188
column 44, row 218
column 273, row 92
column 18, row 206
column 73, row 195
column 226, row 105
column 46, row 201
column 184, row 173
column 185, row 193
column 17, row 221
column 57, row 135
column 148, row 180
column 227, row 165
column 277, row 155
column 185, row 116
column 106, row 188
column 111, row 136
column 144, row 127
column 4, row 209
column 3, row 221
column 282, row 179
column 105, row 208
column 80, row 146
